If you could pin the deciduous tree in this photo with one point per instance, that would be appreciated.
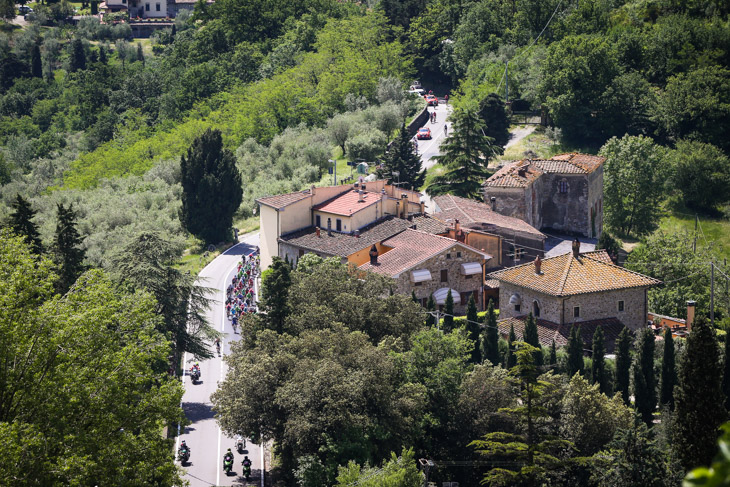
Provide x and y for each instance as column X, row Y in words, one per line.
column 275, row 286
column 701, row 173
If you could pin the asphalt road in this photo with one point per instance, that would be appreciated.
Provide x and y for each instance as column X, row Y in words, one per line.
column 203, row 436
column 430, row 148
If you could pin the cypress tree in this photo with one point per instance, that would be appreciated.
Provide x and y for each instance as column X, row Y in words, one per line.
column 511, row 357
column 174, row 30
column 598, row 367
column 430, row 306
column 698, row 398
column 212, row 190
column 575, row 351
column 275, row 294
column 67, row 252
column 491, row 336
column 645, row 359
column 553, row 354
column 21, row 223
column 36, row 67
column 642, row 397
column 531, row 337
column 77, row 59
column 413, row 297
column 623, row 364
column 669, row 371
column 140, row 54
column 448, row 324
column 94, row 8
column 102, row 55
column 472, row 326
column 402, row 157
column 726, row 374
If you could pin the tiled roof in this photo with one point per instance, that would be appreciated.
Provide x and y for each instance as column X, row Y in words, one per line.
column 279, row 201
column 344, row 244
column 565, row 275
column 409, row 249
column 348, row 203
column 472, row 214
column 548, row 331
column 571, row 163
column 429, row 224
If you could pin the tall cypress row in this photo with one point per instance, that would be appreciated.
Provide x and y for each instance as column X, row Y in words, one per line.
column 472, row 326
column 448, row 323
column 511, row 357
column 575, row 352
column 491, row 336
column 645, row 391
column 531, row 338
column 598, row 367
column 623, row 364
column 669, row 371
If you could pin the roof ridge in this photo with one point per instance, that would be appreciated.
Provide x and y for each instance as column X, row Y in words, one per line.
column 564, row 278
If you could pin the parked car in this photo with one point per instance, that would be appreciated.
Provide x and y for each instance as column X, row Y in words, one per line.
column 417, row 91
column 24, row 9
column 423, row 133
column 431, row 100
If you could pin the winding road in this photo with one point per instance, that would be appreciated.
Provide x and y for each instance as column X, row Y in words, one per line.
column 203, row 435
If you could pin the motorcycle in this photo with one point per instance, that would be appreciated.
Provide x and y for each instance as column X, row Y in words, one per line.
column 227, row 465
column 183, row 455
column 246, row 469
column 195, row 375
column 240, row 444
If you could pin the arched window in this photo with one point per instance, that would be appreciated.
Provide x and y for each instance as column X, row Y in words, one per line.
column 536, row 309
column 563, row 186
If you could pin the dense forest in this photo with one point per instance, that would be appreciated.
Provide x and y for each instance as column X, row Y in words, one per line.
column 94, row 126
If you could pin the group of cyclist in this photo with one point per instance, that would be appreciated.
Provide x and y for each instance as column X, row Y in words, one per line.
column 240, row 295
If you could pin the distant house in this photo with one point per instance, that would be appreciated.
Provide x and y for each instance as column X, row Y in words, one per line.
column 563, row 193
column 149, row 9
column 585, row 289
column 519, row 241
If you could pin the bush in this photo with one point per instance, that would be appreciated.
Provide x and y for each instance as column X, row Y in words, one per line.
column 367, row 146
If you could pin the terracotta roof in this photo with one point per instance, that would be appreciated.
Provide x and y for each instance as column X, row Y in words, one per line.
column 547, row 331
column 348, row 203
column 565, row 275
column 571, row 163
column 430, row 224
column 411, row 248
column 344, row 244
column 477, row 215
column 279, row 201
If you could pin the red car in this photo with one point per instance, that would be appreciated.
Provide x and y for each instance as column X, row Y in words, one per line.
column 423, row 133
column 431, row 100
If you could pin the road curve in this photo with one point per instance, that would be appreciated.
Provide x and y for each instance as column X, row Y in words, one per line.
column 203, row 436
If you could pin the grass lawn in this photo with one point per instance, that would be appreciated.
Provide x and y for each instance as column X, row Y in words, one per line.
column 716, row 231
column 433, row 171
column 540, row 144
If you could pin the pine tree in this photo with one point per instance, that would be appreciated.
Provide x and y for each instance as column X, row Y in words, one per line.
column 403, row 158
column 36, row 67
column 430, row 306
column 669, row 371
column 623, row 363
column 473, row 328
column 275, row 295
column 77, row 60
column 140, row 54
column 465, row 154
column 68, row 254
column 531, row 337
column 698, row 397
column 102, row 55
column 553, row 354
column 598, row 366
column 491, row 336
column 448, row 323
column 726, row 374
column 212, row 189
column 21, row 223
column 575, row 352
column 511, row 357
column 645, row 360
column 493, row 114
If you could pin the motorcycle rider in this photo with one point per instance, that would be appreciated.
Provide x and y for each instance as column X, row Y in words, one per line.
column 240, row 442
column 184, row 448
column 228, row 457
column 246, row 466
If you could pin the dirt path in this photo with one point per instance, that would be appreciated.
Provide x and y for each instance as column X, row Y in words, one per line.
column 519, row 133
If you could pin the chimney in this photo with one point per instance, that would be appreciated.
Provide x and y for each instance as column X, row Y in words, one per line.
column 538, row 265
column 329, row 227
column 316, row 231
column 457, row 225
column 373, row 255
column 690, row 314
column 360, row 199
column 357, row 233
column 576, row 248
column 522, row 172
column 494, row 203
column 423, row 208
column 404, row 199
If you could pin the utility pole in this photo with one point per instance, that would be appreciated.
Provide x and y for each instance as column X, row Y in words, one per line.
column 438, row 319
column 712, row 294
column 506, row 81
column 694, row 244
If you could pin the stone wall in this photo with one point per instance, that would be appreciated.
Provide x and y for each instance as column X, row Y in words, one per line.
column 593, row 306
column 455, row 280
column 508, row 201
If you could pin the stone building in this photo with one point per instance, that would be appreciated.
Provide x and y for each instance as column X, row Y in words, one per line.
column 574, row 288
column 428, row 264
column 563, row 193
column 518, row 240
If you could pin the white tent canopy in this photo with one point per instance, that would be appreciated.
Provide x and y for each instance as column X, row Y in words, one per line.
column 420, row 275
column 470, row 268
column 440, row 295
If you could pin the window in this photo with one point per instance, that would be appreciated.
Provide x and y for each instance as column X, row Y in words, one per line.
column 424, row 302
column 536, row 309
column 146, row 7
column 448, row 256
column 301, row 252
column 468, row 276
column 576, row 311
column 518, row 254
column 418, row 283
column 563, row 186
column 444, row 275
column 517, row 308
column 318, row 221
column 620, row 305
column 458, row 255
column 465, row 296
column 157, row 7
column 339, row 225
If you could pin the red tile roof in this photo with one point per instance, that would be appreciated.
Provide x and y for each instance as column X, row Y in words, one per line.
column 469, row 212
column 547, row 331
column 279, row 201
column 565, row 275
column 348, row 203
column 572, row 163
column 509, row 176
column 411, row 248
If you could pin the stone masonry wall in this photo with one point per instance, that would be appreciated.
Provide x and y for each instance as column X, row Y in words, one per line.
column 509, row 201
